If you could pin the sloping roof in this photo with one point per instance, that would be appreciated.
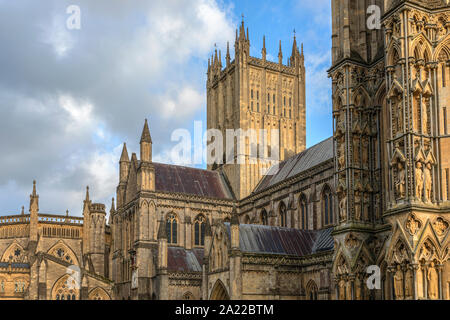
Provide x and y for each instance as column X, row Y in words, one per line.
column 178, row 179
column 183, row 260
column 302, row 161
column 284, row 241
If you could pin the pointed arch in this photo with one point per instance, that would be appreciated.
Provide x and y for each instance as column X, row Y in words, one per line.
column 312, row 290
column 264, row 217
column 62, row 251
column 282, row 211
column 14, row 253
column 303, row 211
column 65, row 288
column 327, row 205
column 199, row 230
column 172, row 227
column 219, row 292
column 98, row 294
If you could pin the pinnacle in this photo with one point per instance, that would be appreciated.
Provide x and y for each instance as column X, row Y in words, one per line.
column 146, row 133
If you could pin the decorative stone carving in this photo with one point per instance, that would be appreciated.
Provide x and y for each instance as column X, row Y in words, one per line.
column 413, row 225
column 398, row 283
column 357, row 205
column 419, row 180
column 351, row 241
column 428, row 182
column 400, row 184
column 408, row 284
column 432, row 277
column 343, row 208
column 440, row 226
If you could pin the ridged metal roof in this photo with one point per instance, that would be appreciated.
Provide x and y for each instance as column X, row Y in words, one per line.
column 178, row 179
column 285, row 241
column 302, row 161
column 183, row 260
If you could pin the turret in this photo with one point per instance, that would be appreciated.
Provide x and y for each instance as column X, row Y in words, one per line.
column 124, row 164
column 280, row 55
column 34, row 211
column 264, row 51
column 146, row 170
column 97, row 237
column 86, row 222
column 146, row 144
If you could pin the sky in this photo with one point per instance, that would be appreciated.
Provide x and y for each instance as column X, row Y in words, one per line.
column 69, row 98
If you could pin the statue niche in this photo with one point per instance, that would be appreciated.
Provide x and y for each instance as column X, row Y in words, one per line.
column 428, row 182
column 419, row 180
column 400, row 184
column 432, row 277
column 398, row 283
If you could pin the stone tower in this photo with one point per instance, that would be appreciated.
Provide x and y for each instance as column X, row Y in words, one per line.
column 94, row 224
column 390, row 94
column 134, row 223
column 357, row 74
column 252, row 93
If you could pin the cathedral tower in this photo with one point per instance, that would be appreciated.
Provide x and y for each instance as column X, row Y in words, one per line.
column 253, row 93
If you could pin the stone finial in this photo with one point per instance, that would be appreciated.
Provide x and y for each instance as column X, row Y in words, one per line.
column 146, row 133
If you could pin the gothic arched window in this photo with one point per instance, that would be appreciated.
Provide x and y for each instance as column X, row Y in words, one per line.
column 283, row 215
column 327, row 199
column 264, row 219
column 199, row 230
column 171, row 225
column 303, row 212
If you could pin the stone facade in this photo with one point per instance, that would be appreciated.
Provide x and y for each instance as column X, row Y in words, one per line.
column 58, row 257
column 374, row 194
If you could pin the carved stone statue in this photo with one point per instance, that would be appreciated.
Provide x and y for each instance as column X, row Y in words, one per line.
column 425, row 117
column 343, row 208
column 419, row 180
column 342, row 289
column 399, row 116
column 400, row 184
column 408, row 284
column 341, row 159
column 432, row 277
column 366, row 206
column 357, row 205
column 356, row 150
column 398, row 283
column 428, row 182
column 365, row 152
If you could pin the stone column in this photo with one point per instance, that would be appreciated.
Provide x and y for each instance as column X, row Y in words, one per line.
column 352, row 286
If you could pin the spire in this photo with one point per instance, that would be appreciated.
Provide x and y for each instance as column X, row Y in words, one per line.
column 124, row 157
column 280, row 55
column 34, row 189
column 67, row 212
column 264, row 51
column 86, row 199
column 23, row 210
column 248, row 38
column 294, row 46
column 302, row 49
column 227, row 58
column 146, row 133
column 220, row 59
column 113, row 206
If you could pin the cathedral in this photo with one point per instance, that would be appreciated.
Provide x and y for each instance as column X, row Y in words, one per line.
column 374, row 196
